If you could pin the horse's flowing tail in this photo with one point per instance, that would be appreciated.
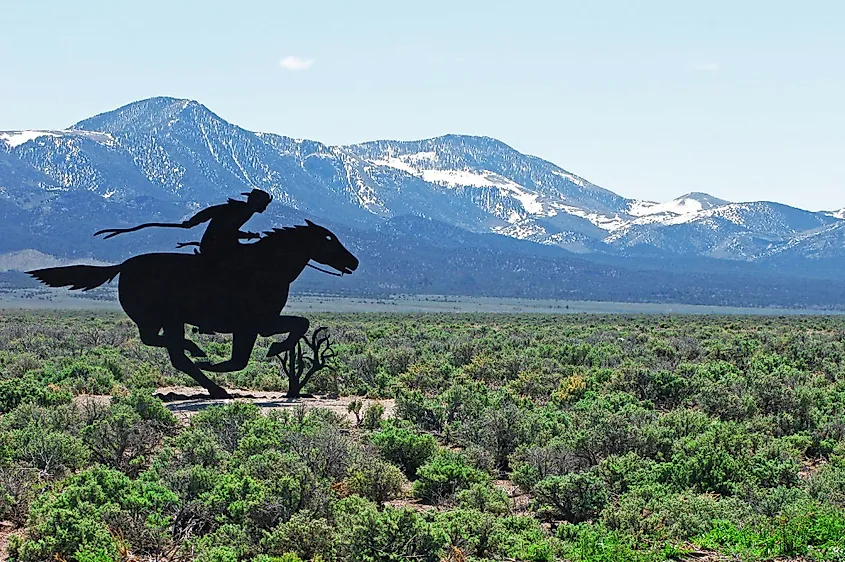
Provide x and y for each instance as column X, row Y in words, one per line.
column 83, row 277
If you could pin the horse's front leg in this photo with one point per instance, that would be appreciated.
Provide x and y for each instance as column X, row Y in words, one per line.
column 294, row 326
column 242, row 344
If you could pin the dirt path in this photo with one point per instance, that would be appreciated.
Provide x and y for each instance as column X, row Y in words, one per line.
column 185, row 401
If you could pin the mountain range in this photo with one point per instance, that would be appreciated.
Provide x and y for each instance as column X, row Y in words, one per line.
column 453, row 214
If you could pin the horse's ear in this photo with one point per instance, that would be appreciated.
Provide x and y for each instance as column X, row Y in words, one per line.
column 309, row 223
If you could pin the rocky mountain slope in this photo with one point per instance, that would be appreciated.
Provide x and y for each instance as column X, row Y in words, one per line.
column 163, row 158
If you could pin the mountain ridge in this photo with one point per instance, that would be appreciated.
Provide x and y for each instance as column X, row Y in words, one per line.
column 163, row 158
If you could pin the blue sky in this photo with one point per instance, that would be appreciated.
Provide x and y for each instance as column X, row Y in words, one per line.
column 652, row 99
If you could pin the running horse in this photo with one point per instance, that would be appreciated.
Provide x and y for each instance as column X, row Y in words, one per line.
column 161, row 292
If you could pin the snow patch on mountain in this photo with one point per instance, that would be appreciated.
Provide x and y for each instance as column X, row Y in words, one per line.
column 17, row 138
column 456, row 178
column 398, row 163
column 688, row 204
column 468, row 178
column 14, row 139
column 429, row 156
column 604, row 222
column 410, row 164
column 523, row 230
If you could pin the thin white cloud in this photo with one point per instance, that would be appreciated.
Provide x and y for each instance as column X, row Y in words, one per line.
column 707, row 67
column 292, row 62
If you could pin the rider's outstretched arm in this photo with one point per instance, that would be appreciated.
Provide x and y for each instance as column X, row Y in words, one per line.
column 199, row 218
column 115, row 231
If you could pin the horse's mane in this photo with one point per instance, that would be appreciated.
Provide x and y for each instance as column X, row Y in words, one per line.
column 283, row 234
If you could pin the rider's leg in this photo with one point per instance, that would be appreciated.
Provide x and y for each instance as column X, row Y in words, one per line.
column 294, row 326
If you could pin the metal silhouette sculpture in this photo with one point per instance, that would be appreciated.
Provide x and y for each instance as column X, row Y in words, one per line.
column 226, row 287
column 222, row 236
column 299, row 367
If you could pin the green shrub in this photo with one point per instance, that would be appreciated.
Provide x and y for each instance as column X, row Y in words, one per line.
column 375, row 479
column 483, row 536
column 73, row 520
column 472, row 532
column 532, row 464
column 520, row 537
column 54, row 452
column 235, row 497
column 218, row 554
column 84, row 378
column 827, row 484
column 227, row 423
column 804, row 529
column 587, row 542
column 121, row 438
column 367, row 535
column 628, row 471
column 14, row 392
column 499, row 430
column 18, row 488
column 425, row 413
column 405, row 448
column 372, row 416
column 713, row 461
column 655, row 512
column 484, row 497
column 573, row 497
column 604, row 425
column 226, row 542
column 444, row 475
column 304, row 535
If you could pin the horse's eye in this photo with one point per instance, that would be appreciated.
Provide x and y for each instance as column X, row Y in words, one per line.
column 329, row 237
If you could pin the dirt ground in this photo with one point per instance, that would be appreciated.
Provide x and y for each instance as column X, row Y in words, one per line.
column 185, row 401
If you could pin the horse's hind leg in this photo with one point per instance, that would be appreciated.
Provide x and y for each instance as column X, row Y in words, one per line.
column 295, row 326
column 151, row 337
column 174, row 338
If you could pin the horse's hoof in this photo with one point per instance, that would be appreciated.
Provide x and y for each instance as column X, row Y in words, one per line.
column 197, row 353
column 219, row 394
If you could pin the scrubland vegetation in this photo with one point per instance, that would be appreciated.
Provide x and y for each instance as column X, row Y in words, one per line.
column 532, row 438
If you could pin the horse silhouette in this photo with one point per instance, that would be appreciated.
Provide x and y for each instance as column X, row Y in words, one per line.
column 244, row 296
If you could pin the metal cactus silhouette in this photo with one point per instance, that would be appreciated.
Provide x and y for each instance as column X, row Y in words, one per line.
column 223, row 287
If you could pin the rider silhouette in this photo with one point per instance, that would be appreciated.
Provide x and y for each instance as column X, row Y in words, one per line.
column 222, row 236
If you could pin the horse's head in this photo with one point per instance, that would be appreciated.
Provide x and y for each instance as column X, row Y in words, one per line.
column 327, row 249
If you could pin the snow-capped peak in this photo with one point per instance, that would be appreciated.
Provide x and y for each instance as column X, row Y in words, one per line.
column 688, row 204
